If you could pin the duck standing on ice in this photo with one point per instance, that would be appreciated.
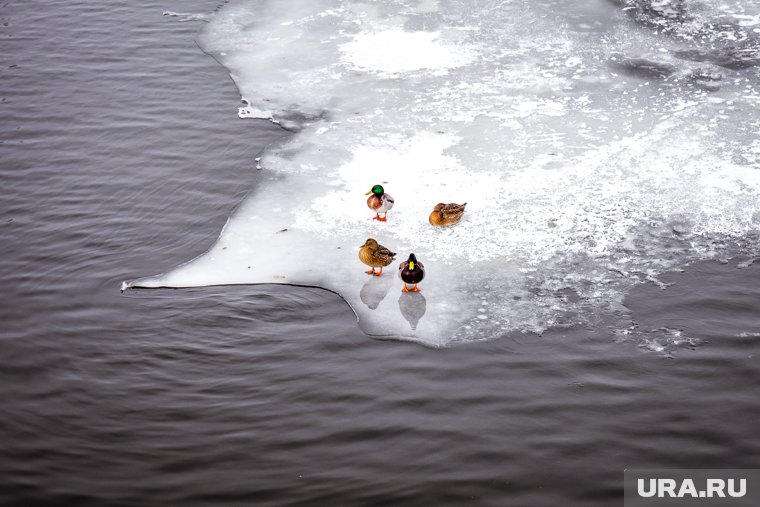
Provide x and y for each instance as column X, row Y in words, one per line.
column 375, row 255
column 411, row 272
column 379, row 202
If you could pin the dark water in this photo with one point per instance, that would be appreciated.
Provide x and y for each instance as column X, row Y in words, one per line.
column 121, row 156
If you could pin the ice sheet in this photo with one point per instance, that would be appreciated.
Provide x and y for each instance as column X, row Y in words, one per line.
column 580, row 181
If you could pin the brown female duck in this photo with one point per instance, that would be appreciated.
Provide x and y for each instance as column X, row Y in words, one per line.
column 375, row 255
column 446, row 214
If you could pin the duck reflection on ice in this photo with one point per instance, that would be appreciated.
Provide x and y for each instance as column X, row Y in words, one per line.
column 374, row 290
column 412, row 306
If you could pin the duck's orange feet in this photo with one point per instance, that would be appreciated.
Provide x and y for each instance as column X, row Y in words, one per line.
column 405, row 289
column 371, row 271
column 379, row 272
column 380, row 218
column 415, row 288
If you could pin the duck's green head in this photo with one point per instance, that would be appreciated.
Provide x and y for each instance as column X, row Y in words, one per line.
column 377, row 190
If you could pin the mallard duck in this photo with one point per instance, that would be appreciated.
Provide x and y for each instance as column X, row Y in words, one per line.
column 375, row 255
column 411, row 272
column 446, row 214
column 379, row 202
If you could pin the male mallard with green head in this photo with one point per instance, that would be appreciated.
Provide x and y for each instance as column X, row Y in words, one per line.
column 446, row 214
column 411, row 272
column 375, row 255
column 379, row 202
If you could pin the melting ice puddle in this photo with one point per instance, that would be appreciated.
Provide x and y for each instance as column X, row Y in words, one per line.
column 579, row 183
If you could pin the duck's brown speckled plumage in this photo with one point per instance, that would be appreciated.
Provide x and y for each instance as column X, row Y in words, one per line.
column 446, row 214
column 375, row 255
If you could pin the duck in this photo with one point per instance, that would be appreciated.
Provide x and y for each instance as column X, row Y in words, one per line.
column 375, row 255
column 379, row 202
column 411, row 271
column 446, row 214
